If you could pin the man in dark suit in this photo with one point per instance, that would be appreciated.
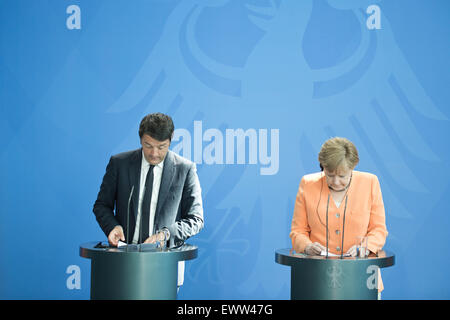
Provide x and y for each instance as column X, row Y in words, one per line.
column 166, row 194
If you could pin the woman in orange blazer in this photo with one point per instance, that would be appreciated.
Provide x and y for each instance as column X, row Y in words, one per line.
column 336, row 194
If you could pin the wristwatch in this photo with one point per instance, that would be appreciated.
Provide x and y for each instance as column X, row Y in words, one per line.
column 166, row 233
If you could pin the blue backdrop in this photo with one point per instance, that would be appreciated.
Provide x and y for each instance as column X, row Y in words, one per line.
column 254, row 88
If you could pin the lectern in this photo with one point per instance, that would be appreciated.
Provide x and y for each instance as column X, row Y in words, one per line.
column 135, row 272
column 333, row 278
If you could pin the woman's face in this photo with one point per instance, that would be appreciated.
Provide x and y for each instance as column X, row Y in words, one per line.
column 339, row 179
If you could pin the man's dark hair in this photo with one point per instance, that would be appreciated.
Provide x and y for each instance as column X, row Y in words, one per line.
column 157, row 125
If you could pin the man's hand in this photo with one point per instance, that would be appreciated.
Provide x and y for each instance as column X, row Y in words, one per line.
column 115, row 235
column 314, row 249
column 158, row 237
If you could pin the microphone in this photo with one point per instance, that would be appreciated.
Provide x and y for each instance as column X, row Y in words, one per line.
column 140, row 225
column 328, row 203
column 343, row 227
column 128, row 213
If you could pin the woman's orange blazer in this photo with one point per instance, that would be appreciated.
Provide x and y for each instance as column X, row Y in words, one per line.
column 364, row 215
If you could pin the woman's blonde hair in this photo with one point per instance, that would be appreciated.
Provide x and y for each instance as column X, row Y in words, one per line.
column 337, row 152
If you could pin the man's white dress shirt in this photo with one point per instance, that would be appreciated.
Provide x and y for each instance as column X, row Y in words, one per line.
column 157, row 174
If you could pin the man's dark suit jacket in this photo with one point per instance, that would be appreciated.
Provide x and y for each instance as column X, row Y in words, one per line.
column 179, row 205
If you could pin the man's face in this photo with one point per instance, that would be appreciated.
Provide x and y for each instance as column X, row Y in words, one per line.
column 154, row 151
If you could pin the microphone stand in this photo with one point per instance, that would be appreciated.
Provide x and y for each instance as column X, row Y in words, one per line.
column 128, row 215
column 328, row 203
column 343, row 227
column 140, row 227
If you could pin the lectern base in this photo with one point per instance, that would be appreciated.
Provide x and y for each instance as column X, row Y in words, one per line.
column 332, row 281
column 133, row 278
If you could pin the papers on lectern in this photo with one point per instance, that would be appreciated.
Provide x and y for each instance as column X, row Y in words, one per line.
column 324, row 253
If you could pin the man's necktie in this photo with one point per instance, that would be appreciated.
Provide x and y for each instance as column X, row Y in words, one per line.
column 145, row 210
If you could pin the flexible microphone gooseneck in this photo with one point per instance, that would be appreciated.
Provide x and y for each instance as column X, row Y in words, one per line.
column 343, row 222
column 140, row 225
column 328, row 203
column 128, row 213
column 343, row 227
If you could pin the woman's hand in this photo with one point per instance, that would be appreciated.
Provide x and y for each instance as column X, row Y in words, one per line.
column 314, row 249
column 353, row 251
